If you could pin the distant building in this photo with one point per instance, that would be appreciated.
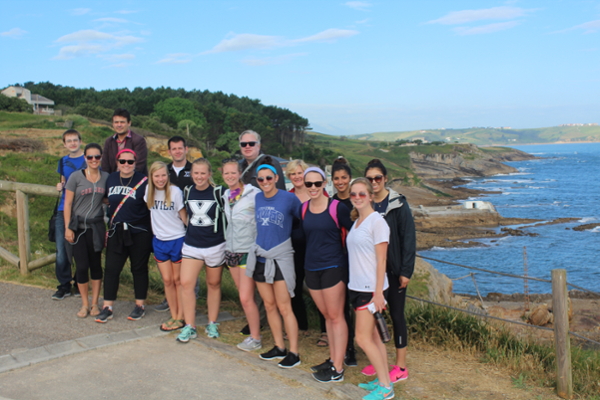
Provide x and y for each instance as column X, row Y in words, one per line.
column 41, row 105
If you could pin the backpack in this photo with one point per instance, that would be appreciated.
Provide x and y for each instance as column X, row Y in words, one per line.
column 333, row 205
column 218, row 195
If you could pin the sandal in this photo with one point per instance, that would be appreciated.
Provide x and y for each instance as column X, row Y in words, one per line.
column 172, row 325
column 323, row 340
column 83, row 312
column 94, row 310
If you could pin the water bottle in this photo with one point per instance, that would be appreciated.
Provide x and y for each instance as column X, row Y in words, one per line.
column 384, row 333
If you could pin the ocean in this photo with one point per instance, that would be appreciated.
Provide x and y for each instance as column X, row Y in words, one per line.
column 563, row 182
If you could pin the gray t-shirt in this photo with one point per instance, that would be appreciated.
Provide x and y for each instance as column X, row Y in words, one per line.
column 87, row 200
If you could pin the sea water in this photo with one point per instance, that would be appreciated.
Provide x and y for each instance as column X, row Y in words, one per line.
column 564, row 181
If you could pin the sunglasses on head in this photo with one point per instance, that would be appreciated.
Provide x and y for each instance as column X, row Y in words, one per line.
column 251, row 144
column 362, row 195
column 261, row 179
column 376, row 179
column 96, row 157
column 130, row 162
column 310, row 184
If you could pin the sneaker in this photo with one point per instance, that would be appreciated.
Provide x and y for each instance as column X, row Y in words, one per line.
column 323, row 366
column 104, row 315
column 250, row 344
column 245, row 330
column 369, row 370
column 60, row 294
column 212, row 330
column 380, row 393
column 274, row 353
column 187, row 333
column 350, row 359
column 370, row 386
column 397, row 375
column 76, row 291
column 137, row 313
column 290, row 361
column 329, row 375
column 162, row 307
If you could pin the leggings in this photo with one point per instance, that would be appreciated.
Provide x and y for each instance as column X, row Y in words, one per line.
column 396, row 299
column 298, row 304
column 85, row 256
column 138, row 254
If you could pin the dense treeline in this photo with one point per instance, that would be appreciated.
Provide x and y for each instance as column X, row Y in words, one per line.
column 213, row 118
column 13, row 104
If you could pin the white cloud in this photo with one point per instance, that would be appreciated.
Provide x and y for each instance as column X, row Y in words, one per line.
column 120, row 65
column 79, row 50
column 483, row 29
column 257, row 62
column 126, row 12
column 246, row 41
column 358, row 5
column 118, row 57
column 329, row 35
column 363, row 21
column 176, row 58
column 146, row 33
column 14, row 33
column 495, row 13
column 80, row 11
column 115, row 20
column 587, row 27
column 89, row 41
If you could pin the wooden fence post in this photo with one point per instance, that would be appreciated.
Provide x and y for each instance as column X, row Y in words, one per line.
column 23, row 231
column 562, row 343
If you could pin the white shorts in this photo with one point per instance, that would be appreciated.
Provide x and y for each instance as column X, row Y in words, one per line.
column 212, row 256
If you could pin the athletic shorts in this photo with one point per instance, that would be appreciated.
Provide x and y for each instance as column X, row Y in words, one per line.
column 259, row 273
column 212, row 256
column 360, row 300
column 167, row 250
column 233, row 260
column 326, row 278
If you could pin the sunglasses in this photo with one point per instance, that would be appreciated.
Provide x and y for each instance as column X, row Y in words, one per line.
column 310, row 184
column 251, row 144
column 130, row 162
column 376, row 179
column 261, row 179
column 362, row 195
column 96, row 157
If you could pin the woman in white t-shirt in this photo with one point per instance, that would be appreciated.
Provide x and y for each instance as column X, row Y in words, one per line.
column 165, row 202
column 367, row 249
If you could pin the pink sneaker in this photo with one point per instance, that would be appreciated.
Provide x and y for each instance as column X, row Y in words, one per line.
column 369, row 370
column 397, row 375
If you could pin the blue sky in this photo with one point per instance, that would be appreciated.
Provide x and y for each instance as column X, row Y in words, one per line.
column 348, row 66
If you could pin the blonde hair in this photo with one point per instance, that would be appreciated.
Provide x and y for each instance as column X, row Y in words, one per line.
column 204, row 161
column 364, row 181
column 157, row 166
column 293, row 165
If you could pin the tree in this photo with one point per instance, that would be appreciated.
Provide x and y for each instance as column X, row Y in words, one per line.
column 13, row 104
column 186, row 124
column 173, row 110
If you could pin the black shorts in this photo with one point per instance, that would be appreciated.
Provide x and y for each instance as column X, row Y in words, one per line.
column 358, row 300
column 259, row 272
column 326, row 278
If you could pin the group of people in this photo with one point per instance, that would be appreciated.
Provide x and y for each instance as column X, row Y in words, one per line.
column 354, row 251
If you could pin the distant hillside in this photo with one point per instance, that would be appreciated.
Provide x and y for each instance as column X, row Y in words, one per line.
column 493, row 136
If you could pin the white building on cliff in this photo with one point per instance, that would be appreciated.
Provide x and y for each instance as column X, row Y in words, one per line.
column 41, row 105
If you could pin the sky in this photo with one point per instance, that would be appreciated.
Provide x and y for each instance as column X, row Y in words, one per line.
column 349, row 67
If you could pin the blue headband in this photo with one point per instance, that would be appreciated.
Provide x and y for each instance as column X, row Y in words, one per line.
column 263, row 166
column 315, row 169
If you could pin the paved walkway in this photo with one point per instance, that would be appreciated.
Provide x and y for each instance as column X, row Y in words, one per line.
column 46, row 352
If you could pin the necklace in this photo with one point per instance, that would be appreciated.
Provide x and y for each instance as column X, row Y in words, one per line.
column 89, row 175
column 121, row 179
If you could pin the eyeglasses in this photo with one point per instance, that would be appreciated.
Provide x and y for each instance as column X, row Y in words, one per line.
column 251, row 144
column 130, row 162
column 96, row 157
column 310, row 184
column 261, row 179
column 376, row 179
column 362, row 195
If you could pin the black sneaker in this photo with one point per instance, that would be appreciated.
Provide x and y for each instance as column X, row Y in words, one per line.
column 137, row 313
column 274, row 353
column 325, row 365
column 104, row 315
column 350, row 359
column 290, row 361
column 245, row 330
column 162, row 307
column 60, row 294
column 329, row 375
column 76, row 290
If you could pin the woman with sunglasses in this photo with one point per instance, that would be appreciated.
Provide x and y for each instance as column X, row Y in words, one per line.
column 167, row 211
column 327, row 268
column 367, row 249
column 85, row 229
column 400, row 259
column 129, row 235
column 271, row 262
column 240, row 236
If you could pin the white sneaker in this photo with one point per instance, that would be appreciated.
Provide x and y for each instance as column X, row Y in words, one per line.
column 250, row 344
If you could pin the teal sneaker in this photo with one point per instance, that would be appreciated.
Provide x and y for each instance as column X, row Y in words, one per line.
column 380, row 393
column 370, row 386
column 212, row 330
column 188, row 332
